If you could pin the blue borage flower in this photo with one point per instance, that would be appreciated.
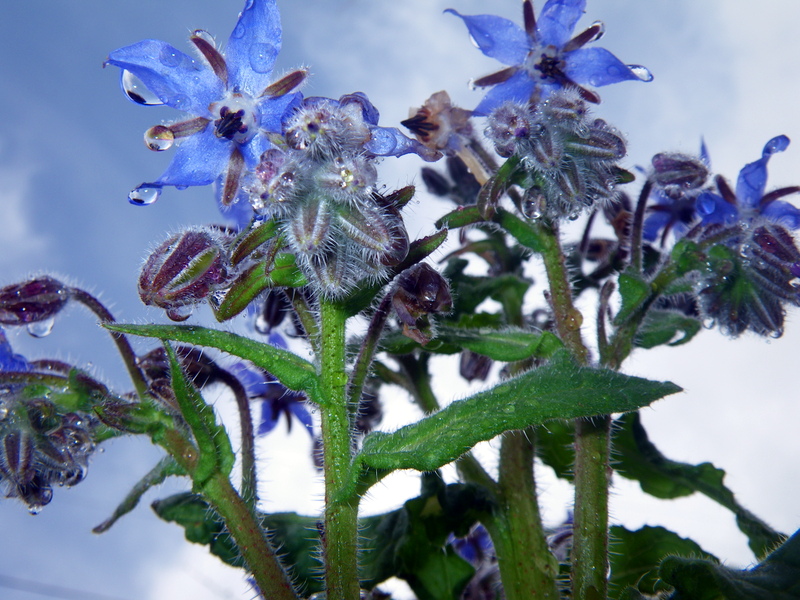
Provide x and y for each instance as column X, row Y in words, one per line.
column 230, row 95
column 9, row 361
column 749, row 202
column 543, row 57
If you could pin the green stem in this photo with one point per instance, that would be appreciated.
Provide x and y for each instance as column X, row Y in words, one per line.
column 340, row 535
column 250, row 538
column 527, row 567
column 590, row 529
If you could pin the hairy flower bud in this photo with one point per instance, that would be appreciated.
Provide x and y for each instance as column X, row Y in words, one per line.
column 676, row 169
column 32, row 301
column 421, row 291
column 183, row 271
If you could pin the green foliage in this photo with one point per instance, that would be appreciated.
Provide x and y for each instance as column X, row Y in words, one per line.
column 558, row 390
column 664, row 327
column 634, row 292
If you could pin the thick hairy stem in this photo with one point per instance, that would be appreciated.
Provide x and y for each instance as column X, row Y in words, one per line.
column 527, row 567
column 340, row 534
column 590, row 529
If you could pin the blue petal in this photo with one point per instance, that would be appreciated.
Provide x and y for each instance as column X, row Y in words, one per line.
column 597, row 67
column 705, row 157
column 8, row 360
column 299, row 410
column 198, row 160
column 390, row 141
column 714, row 209
column 753, row 177
column 272, row 110
column 177, row 79
column 518, row 88
column 254, row 46
column 557, row 21
column 653, row 225
column 784, row 213
column 368, row 110
column 268, row 418
column 497, row 37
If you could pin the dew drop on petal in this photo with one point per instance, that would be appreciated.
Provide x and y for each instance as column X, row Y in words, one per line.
column 181, row 102
column 239, row 31
column 144, row 195
column 169, row 58
column 40, row 329
column 248, row 5
column 601, row 30
column 138, row 91
column 159, row 138
column 205, row 36
column 474, row 42
column 641, row 72
column 260, row 56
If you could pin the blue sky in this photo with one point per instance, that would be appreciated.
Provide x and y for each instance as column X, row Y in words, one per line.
column 71, row 149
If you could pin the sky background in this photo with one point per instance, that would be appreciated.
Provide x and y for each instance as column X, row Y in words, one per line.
column 71, row 149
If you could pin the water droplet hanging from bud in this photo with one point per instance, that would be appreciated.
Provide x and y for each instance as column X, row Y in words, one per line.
column 159, row 138
column 144, row 195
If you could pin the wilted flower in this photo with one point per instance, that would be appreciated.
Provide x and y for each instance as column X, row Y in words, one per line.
column 440, row 125
column 230, row 95
column 543, row 57
column 420, row 292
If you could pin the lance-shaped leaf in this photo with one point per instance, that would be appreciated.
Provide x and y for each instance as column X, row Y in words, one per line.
column 558, row 390
column 166, row 467
column 291, row 370
column 460, row 217
column 635, row 457
column 777, row 577
column 634, row 292
column 213, row 444
column 525, row 232
column 666, row 327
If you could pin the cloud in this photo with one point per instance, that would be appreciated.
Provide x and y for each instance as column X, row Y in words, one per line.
column 20, row 242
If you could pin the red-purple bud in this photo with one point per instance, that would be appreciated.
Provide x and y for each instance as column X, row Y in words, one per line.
column 183, row 271
column 32, row 301
column 420, row 291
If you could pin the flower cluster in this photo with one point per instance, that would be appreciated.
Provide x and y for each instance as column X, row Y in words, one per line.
column 323, row 191
column 42, row 444
column 543, row 57
column 570, row 156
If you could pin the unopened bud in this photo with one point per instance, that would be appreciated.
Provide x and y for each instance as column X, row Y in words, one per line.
column 675, row 169
column 421, row 291
column 183, row 271
column 32, row 301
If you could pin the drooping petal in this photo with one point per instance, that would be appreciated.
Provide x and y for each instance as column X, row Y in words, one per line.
column 712, row 208
column 654, row 223
column 176, row 78
column 8, row 360
column 784, row 213
column 557, row 21
column 198, row 160
column 254, row 46
column 516, row 89
column 390, row 141
column 497, row 37
column 753, row 177
column 597, row 67
column 299, row 410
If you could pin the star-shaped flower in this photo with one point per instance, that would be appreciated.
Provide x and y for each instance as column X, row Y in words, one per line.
column 230, row 96
column 749, row 202
column 543, row 56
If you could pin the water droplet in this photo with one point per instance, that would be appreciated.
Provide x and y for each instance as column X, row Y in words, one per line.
column 180, row 313
column 144, row 195
column 169, row 57
column 574, row 216
column 776, row 334
column 601, row 30
column 795, row 283
column 138, row 91
column 181, row 187
column 40, row 329
column 709, row 323
column 261, row 57
column 159, row 138
column 474, row 42
column 205, row 36
column 181, row 102
column 248, row 5
column 641, row 72
column 239, row 31
column 3, row 411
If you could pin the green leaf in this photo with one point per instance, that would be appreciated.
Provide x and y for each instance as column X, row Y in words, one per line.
column 166, row 467
column 243, row 291
column 291, row 370
column 460, row 217
column 636, row 555
column 490, row 192
column 637, row 458
column 558, row 390
column 525, row 232
column 554, row 447
column 775, row 578
column 213, row 444
column 634, row 292
column 663, row 326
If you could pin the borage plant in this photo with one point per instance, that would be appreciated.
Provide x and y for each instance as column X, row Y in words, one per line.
column 317, row 249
